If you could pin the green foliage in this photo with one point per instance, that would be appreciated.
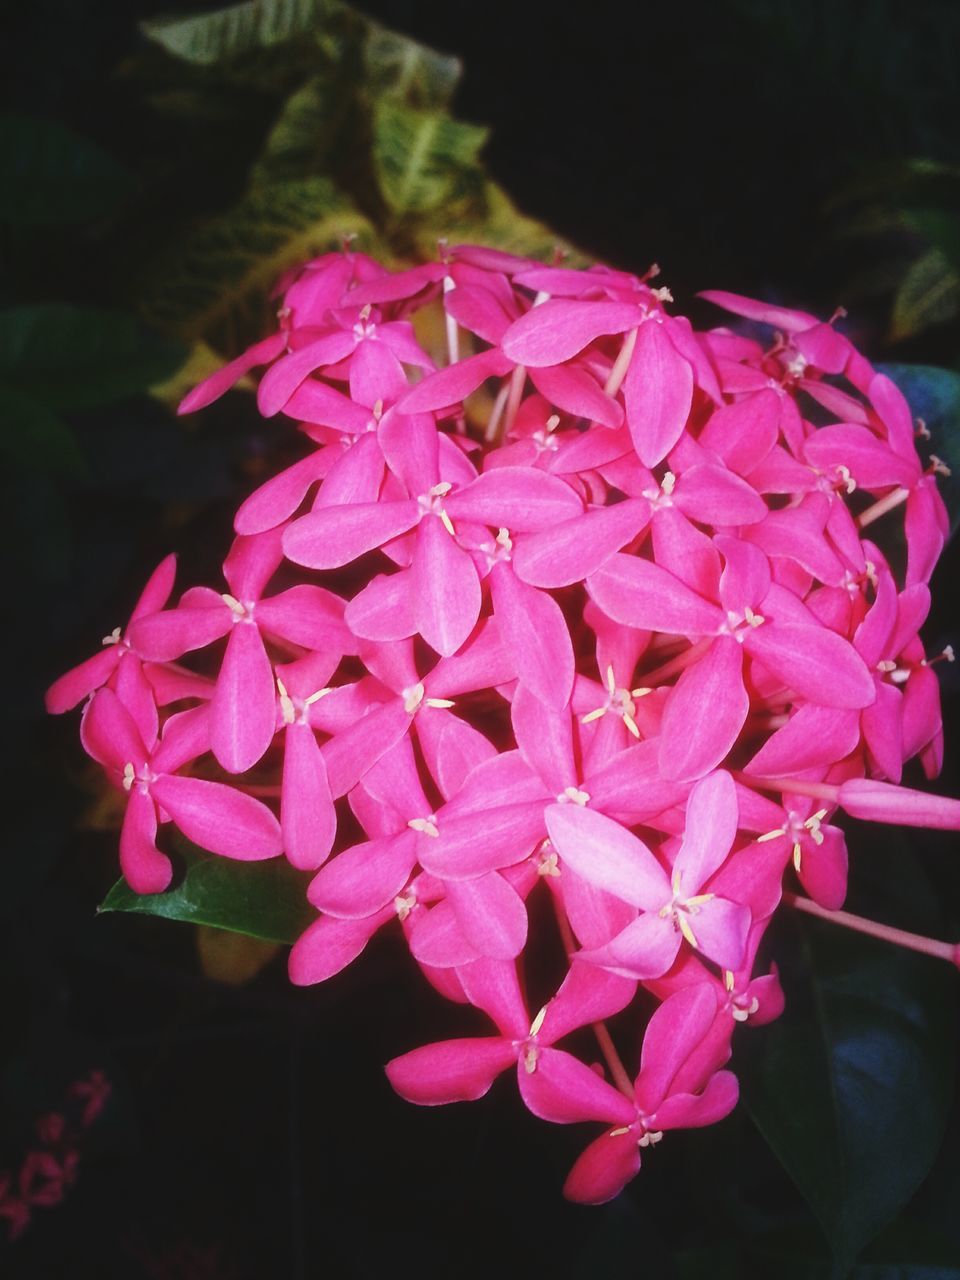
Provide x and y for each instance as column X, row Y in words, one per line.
column 76, row 357
column 224, row 271
column 208, row 38
column 52, row 176
column 424, row 160
column 929, row 294
column 399, row 68
column 360, row 140
column 265, row 900
column 852, row 1090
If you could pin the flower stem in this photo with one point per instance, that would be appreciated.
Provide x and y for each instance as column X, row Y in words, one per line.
column 899, row 937
column 621, row 364
column 882, row 506
column 679, row 663
column 609, row 1050
column 795, row 786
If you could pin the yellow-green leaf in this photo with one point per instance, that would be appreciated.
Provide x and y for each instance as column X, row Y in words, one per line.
column 929, row 294
column 207, row 38
column 400, row 68
column 216, row 283
column 425, row 161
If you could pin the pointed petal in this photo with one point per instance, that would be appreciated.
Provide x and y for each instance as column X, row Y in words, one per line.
column 243, row 710
column 219, row 818
column 493, row 986
column 646, row 948
column 709, row 832
column 588, row 994
column 71, row 689
column 446, row 588
column 450, row 1071
column 329, row 945
column 559, row 329
column 280, row 497
column 658, row 391
column 491, row 914
column 813, row 736
column 144, row 867
column 309, row 616
column 363, row 879
column 469, row 846
column 564, row 1090
column 712, row 495
column 534, row 631
column 213, row 388
column 451, row 385
column 604, row 1169
column 640, row 594
column 823, row 869
column 521, row 499
column 307, row 816
column 164, row 637
column 282, row 379
column 814, row 662
column 334, row 536
column 110, row 734
column 673, row 1033
column 545, row 739
column 568, row 552
column 704, row 713
column 607, row 855
column 385, row 609
column 575, row 392
column 720, row 928
column 694, row 1110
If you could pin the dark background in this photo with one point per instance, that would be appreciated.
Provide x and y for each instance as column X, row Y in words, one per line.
column 764, row 148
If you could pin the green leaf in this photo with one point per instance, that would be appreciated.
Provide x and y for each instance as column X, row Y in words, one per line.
column 264, row 900
column 75, row 357
column 304, row 133
column 52, row 176
column 400, row 68
column 929, row 294
column 221, row 275
column 851, row 1089
column 934, row 395
column 425, row 161
column 33, row 436
column 495, row 220
column 207, row 38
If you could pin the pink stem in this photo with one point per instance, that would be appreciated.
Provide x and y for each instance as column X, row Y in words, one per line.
column 882, row 506
column 609, row 1050
column 679, row 663
column 899, row 937
column 621, row 364
column 795, row 786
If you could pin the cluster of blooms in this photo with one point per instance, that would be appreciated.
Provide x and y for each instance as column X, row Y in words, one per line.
column 587, row 611
column 50, row 1168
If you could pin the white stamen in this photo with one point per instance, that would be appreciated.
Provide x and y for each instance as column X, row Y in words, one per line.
column 413, row 697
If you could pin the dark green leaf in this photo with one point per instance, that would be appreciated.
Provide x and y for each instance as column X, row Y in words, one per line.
column 51, row 176
column 262, row 899
column 75, row 357
column 398, row 67
column 207, row 38
column 934, row 396
column 851, row 1089
column 929, row 294
column 224, row 272
column 425, row 161
column 32, row 435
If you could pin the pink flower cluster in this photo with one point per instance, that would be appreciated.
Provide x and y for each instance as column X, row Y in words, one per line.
column 49, row 1168
column 590, row 611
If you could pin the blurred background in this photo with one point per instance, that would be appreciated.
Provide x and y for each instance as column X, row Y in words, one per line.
column 161, row 169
